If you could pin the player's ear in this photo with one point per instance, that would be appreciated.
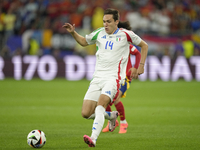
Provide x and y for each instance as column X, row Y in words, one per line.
column 117, row 22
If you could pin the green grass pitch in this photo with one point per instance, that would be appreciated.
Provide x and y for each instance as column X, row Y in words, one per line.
column 161, row 115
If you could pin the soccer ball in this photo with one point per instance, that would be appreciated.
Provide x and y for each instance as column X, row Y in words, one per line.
column 36, row 139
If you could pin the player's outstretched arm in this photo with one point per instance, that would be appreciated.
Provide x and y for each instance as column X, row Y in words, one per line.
column 71, row 29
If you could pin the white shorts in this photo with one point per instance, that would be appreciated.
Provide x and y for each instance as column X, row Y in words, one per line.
column 98, row 87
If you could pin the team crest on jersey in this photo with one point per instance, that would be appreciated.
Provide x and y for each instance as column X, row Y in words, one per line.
column 118, row 38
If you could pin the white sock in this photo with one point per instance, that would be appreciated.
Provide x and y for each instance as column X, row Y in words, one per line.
column 98, row 121
column 123, row 121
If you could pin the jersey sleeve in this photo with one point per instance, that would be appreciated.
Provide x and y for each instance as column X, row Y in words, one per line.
column 132, row 37
column 92, row 37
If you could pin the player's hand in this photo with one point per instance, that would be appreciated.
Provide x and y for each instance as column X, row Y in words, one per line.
column 140, row 69
column 134, row 74
column 70, row 28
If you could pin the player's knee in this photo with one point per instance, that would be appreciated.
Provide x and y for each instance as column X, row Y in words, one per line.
column 85, row 115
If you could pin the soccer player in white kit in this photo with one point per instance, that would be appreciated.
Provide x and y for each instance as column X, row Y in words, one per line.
column 112, row 54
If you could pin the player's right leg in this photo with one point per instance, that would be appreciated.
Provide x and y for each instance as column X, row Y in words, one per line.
column 88, row 108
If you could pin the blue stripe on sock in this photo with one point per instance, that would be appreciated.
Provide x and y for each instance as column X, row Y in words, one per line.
column 109, row 113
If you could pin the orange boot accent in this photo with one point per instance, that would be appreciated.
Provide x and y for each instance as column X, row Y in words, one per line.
column 123, row 128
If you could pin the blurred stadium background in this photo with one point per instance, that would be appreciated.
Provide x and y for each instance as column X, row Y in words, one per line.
column 34, row 44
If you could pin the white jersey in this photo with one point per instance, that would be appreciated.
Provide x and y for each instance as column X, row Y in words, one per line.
column 112, row 52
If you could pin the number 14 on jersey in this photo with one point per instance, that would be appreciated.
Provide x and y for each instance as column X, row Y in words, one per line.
column 109, row 44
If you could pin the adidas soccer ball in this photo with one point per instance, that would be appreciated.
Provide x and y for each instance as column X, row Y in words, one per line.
column 36, row 139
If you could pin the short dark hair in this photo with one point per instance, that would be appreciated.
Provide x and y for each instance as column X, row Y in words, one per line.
column 113, row 12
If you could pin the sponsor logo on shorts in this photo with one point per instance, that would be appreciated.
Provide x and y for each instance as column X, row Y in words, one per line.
column 108, row 92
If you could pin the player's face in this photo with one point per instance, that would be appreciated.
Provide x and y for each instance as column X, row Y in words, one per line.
column 110, row 24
